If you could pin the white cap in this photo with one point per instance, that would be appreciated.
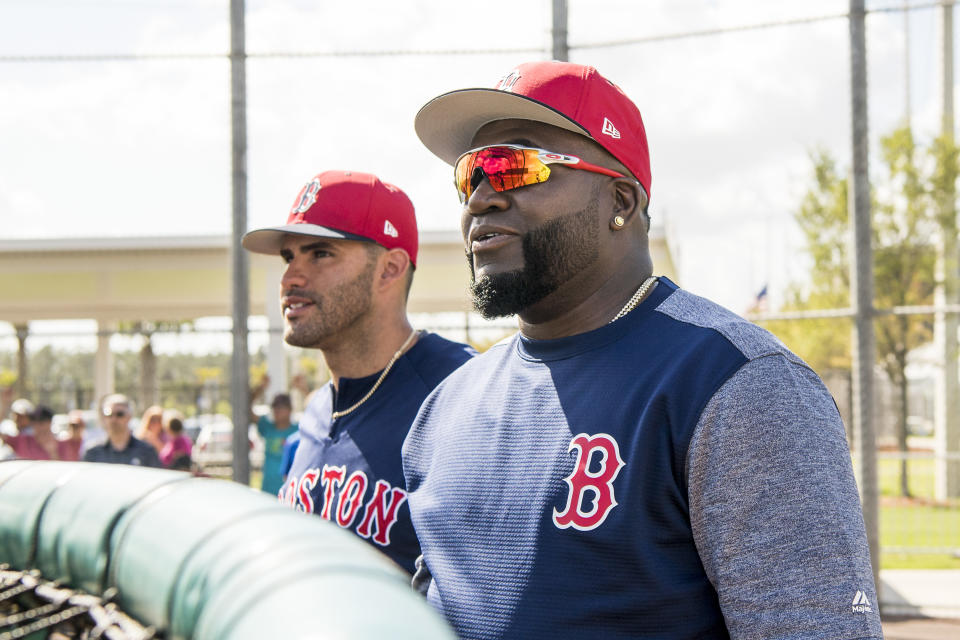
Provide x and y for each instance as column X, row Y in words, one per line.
column 22, row 407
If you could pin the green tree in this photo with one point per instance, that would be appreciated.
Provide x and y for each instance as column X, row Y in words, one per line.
column 904, row 225
column 823, row 219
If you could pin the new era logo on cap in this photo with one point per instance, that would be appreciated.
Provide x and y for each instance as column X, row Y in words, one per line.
column 609, row 129
column 390, row 230
column 561, row 94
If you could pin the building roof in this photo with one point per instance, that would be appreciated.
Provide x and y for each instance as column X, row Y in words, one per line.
column 184, row 277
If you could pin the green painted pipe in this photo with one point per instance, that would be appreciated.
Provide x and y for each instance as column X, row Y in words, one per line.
column 203, row 559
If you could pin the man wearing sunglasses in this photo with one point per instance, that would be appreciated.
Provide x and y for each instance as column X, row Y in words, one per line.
column 121, row 447
column 636, row 462
column 350, row 248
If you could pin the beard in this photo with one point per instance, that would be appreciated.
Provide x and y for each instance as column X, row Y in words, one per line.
column 332, row 311
column 553, row 253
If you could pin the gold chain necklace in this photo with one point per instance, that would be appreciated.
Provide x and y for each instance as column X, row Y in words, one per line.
column 636, row 298
column 376, row 385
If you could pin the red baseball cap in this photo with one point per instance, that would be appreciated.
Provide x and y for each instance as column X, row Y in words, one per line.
column 566, row 95
column 348, row 205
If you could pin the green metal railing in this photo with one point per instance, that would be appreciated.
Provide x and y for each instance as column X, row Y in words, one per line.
column 195, row 558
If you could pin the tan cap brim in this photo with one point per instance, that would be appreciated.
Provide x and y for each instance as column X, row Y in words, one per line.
column 446, row 125
column 270, row 240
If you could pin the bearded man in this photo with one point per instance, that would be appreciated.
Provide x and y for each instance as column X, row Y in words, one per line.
column 350, row 249
column 637, row 462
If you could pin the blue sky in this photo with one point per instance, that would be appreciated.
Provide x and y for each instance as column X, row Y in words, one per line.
column 142, row 147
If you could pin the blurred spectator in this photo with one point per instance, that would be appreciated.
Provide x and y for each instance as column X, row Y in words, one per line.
column 176, row 452
column 21, row 409
column 274, row 428
column 121, row 446
column 35, row 439
column 151, row 428
column 77, row 431
column 76, row 424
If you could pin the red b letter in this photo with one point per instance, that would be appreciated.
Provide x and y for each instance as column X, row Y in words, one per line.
column 599, row 484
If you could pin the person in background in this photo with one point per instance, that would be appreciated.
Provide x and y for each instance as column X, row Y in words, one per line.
column 274, row 428
column 77, row 427
column 121, row 446
column 178, row 447
column 35, row 440
column 20, row 409
column 151, row 428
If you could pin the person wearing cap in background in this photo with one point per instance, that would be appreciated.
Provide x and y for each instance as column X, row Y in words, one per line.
column 637, row 461
column 77, row 429
column 21, row 409
column 274, row 428
column 350, row 248
column 121, row 447
column 35, row 439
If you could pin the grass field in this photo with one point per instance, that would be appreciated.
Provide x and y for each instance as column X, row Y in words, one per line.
column 916, row 524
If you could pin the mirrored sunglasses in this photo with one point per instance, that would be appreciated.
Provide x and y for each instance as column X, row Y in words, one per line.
column 509, row 166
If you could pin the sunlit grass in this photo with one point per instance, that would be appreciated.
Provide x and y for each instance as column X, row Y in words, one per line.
column 917, row 523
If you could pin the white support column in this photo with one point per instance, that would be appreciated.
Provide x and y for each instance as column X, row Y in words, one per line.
column 946, row 411
column 104, row 373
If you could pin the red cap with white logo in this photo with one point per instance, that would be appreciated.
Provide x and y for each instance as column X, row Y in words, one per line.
column 347, row 205
column 566, row 95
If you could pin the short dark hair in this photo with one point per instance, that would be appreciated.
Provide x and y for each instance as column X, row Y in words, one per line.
column 175, row 425
column 42, row 414
column 281, row 400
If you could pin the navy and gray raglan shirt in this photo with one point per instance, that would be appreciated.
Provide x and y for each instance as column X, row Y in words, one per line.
column 348, row 470
column 675, row 474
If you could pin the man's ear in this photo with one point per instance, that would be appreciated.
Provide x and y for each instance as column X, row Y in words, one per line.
column 629, row 201
column 394, row 265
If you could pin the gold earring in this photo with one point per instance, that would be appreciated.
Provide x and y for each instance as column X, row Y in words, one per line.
column 618, row 222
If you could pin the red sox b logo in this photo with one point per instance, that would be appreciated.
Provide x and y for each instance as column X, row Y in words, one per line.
column 596, row 486
column 308, row 195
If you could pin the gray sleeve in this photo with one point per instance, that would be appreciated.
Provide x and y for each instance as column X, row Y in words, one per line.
column 774, row 508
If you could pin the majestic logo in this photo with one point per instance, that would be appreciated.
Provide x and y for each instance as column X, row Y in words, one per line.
column 609, row 129
column 506, row 82
column 389, row 229
column 598, row 463
column 308, row 195
column 860, row 603
column 342, row 499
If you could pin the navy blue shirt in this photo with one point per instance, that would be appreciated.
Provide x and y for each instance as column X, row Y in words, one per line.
column 348, row 470
column 137, row 452
column 674, row 474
